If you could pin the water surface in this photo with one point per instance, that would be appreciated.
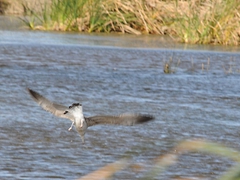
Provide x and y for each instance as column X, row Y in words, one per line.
column 112, row 75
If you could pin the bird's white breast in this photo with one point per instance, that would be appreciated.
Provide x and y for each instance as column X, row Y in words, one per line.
column 78, row 116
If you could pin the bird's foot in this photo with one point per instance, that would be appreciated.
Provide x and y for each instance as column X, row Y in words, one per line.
column 71, row 127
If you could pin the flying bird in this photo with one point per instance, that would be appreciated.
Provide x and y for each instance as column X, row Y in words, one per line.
column 81, row 123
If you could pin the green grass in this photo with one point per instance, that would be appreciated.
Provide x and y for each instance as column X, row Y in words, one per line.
column 188, row 21
column 209, row 22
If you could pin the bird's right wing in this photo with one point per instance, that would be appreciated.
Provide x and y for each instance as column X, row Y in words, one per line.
column 126, row 119
column 56, row 109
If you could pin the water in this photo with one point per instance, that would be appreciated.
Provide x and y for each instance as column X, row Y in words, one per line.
column 113, row 75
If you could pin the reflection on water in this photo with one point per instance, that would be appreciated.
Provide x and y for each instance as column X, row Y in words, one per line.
column 191, row 103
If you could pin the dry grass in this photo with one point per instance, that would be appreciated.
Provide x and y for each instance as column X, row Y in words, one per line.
column 4, row 4
column 188, row 21
column 106, row 171
column 209, row 21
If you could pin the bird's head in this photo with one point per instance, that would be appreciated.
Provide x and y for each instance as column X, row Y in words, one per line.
column 73, row 107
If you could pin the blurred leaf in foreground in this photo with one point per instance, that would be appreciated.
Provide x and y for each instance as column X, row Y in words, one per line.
column 106, row 171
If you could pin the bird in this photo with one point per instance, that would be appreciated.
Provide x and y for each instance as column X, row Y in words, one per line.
column 75, row 114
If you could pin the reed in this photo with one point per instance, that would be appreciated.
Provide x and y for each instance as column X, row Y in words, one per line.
column 207, row 66
column 231, row 67
column 4, row 4
column 163, row 162
column 188, row 21
column 170, row 66
column 208, row 21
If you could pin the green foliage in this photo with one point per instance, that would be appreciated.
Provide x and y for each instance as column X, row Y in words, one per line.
column 65, row 13
column 212, row 21
column 191, row 21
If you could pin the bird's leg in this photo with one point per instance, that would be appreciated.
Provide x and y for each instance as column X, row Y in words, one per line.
column 83, row 140
column 81, row 124
column 71, row 126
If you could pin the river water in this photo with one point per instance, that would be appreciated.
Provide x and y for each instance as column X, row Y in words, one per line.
column 113, row 74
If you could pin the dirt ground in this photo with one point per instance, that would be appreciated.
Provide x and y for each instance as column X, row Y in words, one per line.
column 15, row 6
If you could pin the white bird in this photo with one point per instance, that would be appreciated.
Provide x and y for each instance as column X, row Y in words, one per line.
column 81, row 123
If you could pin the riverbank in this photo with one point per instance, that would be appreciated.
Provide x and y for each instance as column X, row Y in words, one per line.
column 11, row 10
column 194, row 22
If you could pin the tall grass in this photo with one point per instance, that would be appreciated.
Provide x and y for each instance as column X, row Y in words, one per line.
column 96, row 16
column 189, row 21
column 57, row 15
column 209, row 21
column 4, row 4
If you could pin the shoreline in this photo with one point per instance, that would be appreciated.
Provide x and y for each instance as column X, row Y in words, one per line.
column 11, row 22
column 185, row 21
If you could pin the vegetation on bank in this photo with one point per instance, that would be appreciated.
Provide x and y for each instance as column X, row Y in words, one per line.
column 3, row 6
column 188, row 21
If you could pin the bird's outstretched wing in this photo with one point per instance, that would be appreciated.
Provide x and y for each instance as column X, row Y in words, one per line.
column 56, row 109
column 123, row 119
